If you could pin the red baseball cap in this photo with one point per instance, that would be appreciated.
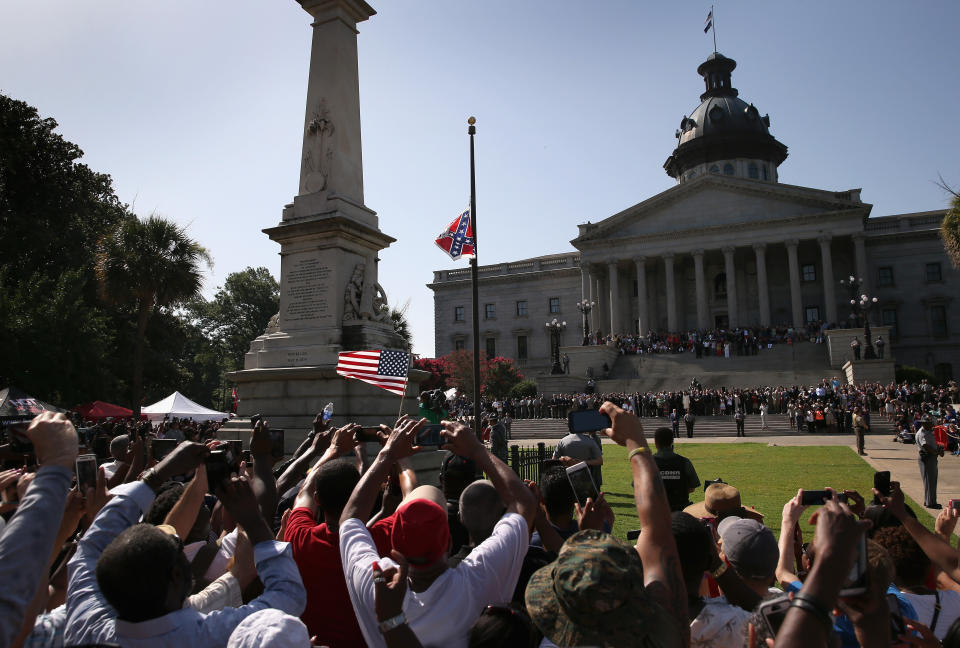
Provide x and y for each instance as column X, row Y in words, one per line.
column 420, row 532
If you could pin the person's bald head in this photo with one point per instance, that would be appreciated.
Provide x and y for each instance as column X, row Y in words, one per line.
column 480, row 509
column 118, row 446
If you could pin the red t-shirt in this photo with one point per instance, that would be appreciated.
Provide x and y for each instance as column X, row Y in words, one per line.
column 316, row 549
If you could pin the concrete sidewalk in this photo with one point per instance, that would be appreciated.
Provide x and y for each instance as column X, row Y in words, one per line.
column 882, row 454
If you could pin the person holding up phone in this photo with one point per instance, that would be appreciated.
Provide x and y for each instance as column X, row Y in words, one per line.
column 579, row 446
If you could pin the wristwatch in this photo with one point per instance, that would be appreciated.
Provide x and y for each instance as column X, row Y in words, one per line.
column 392, row 623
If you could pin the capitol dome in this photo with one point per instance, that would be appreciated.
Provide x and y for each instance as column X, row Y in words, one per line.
column 724, row 135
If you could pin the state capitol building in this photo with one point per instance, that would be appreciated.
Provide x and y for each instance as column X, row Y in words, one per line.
column 729, row 246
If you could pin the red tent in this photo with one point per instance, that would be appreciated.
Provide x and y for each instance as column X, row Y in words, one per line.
column 100, row 410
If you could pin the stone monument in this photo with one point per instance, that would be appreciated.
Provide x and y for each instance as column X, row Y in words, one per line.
column 330, row 300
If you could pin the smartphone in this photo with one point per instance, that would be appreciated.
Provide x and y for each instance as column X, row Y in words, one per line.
column 429, row 435
column 897, row 625
column 881, row 481
column 367, row 435
column 587, row 421
column 633, row 534
column 276, row 443
column 815, row 497
column 774, row 611
column 954, row 504
column 86, row 472
column 857, row 578
column 581, row 480
column 220, row 463
column 163, row 447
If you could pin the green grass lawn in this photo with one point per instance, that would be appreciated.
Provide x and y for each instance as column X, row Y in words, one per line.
column 766, row 477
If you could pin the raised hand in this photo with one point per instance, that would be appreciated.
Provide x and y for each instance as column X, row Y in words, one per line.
column 343, row 441
column 895, row 502
column 402, row 440
column 460, row 439
column 183, row 460
column 390, row 587
column 96, row 498
column 260, row 445
column 625, row 428
column 54, row 439
column 793, row 509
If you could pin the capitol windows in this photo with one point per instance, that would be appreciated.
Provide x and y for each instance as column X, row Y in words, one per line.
column 522, row 308
column 720, row 285
column 808, row 272
column 554, row 305
column 459, row 344
column 811, row 314
column 489, row 311
column 885, row 276
column 458, row 314
column 714, row 169
column 728, row 169
column 765, row 172
column 934, row 273
column 753, row 171
column 938, row 320
column 889, row 319
column 491, row 347
column 521, row 347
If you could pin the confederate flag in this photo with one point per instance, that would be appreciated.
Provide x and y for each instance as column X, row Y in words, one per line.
column 457, row 240
column 236, row 401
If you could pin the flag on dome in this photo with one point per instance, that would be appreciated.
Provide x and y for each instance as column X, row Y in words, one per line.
column 458, row 240
column 709, row 22
column 384, row 369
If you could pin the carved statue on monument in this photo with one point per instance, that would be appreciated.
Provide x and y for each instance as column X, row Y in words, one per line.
column 317, row 158
column 354, row 295
column 273, row 325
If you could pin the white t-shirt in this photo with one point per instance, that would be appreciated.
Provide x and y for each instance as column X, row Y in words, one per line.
column 442, row 615
column 949, row 609
column 110, row 469
column 719, row 625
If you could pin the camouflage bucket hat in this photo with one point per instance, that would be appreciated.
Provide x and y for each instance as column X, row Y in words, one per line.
column 593, row 595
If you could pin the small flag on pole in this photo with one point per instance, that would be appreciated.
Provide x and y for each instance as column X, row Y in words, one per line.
column 385, row 369
column 236, row 401
column 709, row 22
column 458, row 240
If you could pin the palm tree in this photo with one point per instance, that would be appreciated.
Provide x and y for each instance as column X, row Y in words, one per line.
column 950, row 230
column 147, row 264
column 398, row 317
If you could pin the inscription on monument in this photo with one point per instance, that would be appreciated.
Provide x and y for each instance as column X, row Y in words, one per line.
column 307, row 289
column 296, row 358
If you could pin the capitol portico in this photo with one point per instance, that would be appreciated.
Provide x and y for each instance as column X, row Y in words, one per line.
column 727, row 246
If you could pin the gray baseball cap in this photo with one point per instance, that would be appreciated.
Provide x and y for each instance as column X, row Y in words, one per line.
column 749, row 546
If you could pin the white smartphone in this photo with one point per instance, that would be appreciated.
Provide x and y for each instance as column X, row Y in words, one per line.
column 581, row 480
column 773, row 612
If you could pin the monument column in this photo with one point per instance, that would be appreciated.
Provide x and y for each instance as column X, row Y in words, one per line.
column 796, row 299
column 643, row 321
column 860, row 257
column 671, row 293
column 760, row 249
column 731, row 271
column 614, row 298
column 828, row 295
column 701, row 290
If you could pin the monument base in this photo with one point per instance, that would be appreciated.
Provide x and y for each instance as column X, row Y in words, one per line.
column 290, row 397
column 879, row 371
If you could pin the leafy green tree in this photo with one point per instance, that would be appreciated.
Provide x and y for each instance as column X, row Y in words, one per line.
column 59, row 344
column 148, row 264
column 500, row 377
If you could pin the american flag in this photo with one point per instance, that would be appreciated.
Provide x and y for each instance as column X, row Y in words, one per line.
column 385, row 369
column 458, row 240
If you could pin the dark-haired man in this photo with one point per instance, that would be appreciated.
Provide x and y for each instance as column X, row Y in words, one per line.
column 128, row 581
column 677, row 472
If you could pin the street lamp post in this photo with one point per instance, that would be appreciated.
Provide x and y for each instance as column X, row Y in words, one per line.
column 555, row 328
column 585, row 307
column 860, row 305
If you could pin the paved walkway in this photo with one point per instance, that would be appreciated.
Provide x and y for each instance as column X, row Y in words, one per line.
column 882, row 454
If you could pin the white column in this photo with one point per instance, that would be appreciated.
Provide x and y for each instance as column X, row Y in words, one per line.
column 826, row 259
column 615, row 326
column 643, row 320
column 596, row 296
column 584, row 295
column 796, row 299
column 701, row 290
column 760, row 249
column 731, row 271
column 860, row 257
column 671, row 293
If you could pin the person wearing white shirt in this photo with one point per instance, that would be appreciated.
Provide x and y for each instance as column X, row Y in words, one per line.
column 488, row 575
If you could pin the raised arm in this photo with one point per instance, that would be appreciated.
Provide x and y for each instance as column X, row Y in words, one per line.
column 511, row 488
column 306, row 454
column 792, row 511
column 658, row 551
column 265, row 485
column 184, row 513
column 339, row 444
column 941, row 554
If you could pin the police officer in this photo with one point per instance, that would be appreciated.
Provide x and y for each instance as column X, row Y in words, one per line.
column 929, row 452
column 739, row 418
column 677, row 472
column 675, row 423
column 859, row 427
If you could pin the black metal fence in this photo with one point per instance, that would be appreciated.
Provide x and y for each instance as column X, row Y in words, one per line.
column 526, row 461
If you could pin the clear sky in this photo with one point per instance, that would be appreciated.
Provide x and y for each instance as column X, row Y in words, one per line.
column 196, row 109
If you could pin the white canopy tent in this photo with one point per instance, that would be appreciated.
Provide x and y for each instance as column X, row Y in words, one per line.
column 176, row 405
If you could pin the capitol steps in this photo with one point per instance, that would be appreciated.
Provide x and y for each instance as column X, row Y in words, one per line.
column 706, row 426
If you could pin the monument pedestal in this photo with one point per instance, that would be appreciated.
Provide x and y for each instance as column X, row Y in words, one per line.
column 860, row 371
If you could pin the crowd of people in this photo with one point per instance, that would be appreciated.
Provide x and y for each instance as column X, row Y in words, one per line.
column 335, row 547
column 713, row 342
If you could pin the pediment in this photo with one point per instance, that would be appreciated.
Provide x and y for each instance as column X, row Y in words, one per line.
column 711, row 202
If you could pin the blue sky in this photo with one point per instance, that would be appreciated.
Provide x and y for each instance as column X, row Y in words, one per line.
column 196, row 110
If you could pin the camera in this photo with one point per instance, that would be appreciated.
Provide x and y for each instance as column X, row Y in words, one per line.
column 220, row 464
column 434, row 399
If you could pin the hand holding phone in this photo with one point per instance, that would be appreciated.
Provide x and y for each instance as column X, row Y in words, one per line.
column 580, row 421
column 581, row 480
column 86, row 472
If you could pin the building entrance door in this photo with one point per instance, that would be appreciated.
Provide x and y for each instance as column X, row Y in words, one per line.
column 721, row 321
